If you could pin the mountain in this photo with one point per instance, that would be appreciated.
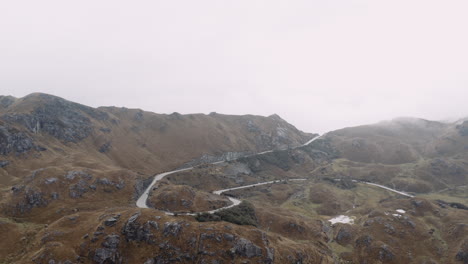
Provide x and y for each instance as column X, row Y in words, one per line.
column 401, row 140
column 396, row 191
column 41, row 130
column 61, row 160
column 225, row 189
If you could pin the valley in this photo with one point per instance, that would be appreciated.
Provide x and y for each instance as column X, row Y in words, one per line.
column 116, row 185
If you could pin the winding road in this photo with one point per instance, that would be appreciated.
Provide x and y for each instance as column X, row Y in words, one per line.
column 389, row 189
column 142, row 200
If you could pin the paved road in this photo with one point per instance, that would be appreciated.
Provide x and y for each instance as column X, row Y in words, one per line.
column 141, row 202
column 389, row 189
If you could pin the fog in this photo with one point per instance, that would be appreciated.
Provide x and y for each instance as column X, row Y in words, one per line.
column 321, row 65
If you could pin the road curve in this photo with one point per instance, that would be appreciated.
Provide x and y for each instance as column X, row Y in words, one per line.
column 389, row 189
column 141, row 202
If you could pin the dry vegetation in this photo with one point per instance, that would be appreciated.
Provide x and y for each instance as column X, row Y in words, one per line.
column 69, row 186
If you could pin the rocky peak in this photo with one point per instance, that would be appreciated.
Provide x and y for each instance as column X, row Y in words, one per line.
column 276, row 117
column 62, row 119
column 14, row 141
column 6, row 101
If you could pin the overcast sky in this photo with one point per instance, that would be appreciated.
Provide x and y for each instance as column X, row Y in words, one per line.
column 321, row 65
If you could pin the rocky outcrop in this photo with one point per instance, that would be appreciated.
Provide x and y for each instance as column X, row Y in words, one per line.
column 445, row 204
column 280, row 159
column 462, row 254
column 14, row 141
column 73, row 174
column 134, row 231
column 463, row 129
column 364, row 241
column 64, row 120
column 6, row 101
column 321, row 149
column 81, row 187
column 441, row 167
column 4, row 163
column 237, row 168
column 385, row 253
column 246, row 248
column 111, row 221
column 50, row 180
column 109, row 252
column 105, row 147
column 31, row 198
column 108, row 183
column 172, row 228
column 344, row 235
column 140, row 186
column 207, row 159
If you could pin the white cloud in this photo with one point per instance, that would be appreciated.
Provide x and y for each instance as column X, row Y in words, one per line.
column 321, row 65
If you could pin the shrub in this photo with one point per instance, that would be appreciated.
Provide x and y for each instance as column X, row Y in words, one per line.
column 243, row 214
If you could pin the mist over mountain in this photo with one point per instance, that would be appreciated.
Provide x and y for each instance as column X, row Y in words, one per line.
column 118, row 185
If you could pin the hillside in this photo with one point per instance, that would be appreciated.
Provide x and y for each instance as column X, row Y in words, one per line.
column 70, row 176
column 62, row 161
column 41, row 130
column 426, row 226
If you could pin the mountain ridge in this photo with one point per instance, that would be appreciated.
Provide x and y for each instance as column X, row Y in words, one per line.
column 70, row 176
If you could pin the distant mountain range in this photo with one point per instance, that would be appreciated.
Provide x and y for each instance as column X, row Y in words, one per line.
column 70, row 176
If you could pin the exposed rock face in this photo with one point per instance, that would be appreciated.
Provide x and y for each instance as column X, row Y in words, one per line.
column 134, row 231
column 32, row 198
column 345, row 183
column 77, row 190
column 140, row 186
column 59, row 118
column 6, row 101
column 109, row 252
column 111, row 241
column 105, row 147
column 72, row 174
column 4, row 163
column 444, row 204
column 172, row 228
column 385, row 254
column 246, row 248
column 105, row 129
column 463, row 129
column 51, row 180
column 111, row 221
column 69, row 126
column 81, row 187
column 321, row 148
column 206, row 159
column 462, row 256
column 12, row 140
column 364, row 241
column 238, row 168
column 106, row 182
column 344, row 236
column 54, row 195
column 441, row 167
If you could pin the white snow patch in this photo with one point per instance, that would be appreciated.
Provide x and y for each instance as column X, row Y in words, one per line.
column 397, row 215
column 401, row 211
column 342, row 219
